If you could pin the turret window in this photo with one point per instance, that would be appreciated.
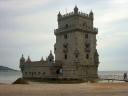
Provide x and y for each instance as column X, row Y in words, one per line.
column 65, row 45
column 86, row 36
column 87, row 56
column 65, row 56
column 65, row 36
column 87, row 45
column 76, row 55
column 26, row 73
column 84, row 24
column 44, row 73
column 39, row 73
column 66, row 25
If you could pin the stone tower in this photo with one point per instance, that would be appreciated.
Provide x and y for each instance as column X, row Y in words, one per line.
column 75, row 45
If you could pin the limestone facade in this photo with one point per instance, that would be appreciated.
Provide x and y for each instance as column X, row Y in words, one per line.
column 76, row 56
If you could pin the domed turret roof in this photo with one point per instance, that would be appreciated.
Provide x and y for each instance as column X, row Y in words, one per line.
column 51, row 55
column 59, row 14
column 91, row 13
column 42, row 59
column 22, row 58
column 75, row 9
column 28, row 60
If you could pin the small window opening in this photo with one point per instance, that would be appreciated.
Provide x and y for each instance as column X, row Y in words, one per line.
column 87, row 45
column 66, row 25
column 84, row 24
column 43, row 73
column 87, row 56
column 86, row 35
column 76, row 55
column 38, row 72
column 65, row 36
column 65, row 56
column 65, row 45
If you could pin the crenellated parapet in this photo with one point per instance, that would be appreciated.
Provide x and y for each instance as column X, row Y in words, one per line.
column 76, row 56
column 76, row 21
column 76, row 12
column 29, row 61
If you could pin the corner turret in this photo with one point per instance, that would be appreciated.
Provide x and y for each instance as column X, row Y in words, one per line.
column 22, row 62
column 22, row 59
column 50, row 57
column 59, row 15
column 42, row 59
column 76, row 10
column 91, row 14
column 28, row 60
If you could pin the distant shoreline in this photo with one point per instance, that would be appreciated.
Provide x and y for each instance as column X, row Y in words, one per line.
column 4, row 69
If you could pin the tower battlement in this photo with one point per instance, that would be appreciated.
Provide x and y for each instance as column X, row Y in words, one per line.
column 76, row 55
column 70, row 14
column 75, row 13
column 76, row 21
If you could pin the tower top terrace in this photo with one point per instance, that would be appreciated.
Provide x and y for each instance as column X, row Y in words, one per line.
column 76, row 12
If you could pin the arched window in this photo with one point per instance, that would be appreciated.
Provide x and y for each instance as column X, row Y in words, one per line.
column 65, row 45
column 84, row 24
column 86, row 36
column 44, row 73
column 87, row 45
column 39, row 73
column 87, row 56
column 65, row 36
column 65, row 56
column 76, row 55
column 66, row 25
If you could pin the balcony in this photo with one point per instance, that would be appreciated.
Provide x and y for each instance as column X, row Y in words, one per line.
column 61, row 30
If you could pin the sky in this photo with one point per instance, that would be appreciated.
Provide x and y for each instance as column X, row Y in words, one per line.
column 27, row 27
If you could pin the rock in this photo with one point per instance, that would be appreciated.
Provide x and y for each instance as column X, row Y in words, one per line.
column 20, row 81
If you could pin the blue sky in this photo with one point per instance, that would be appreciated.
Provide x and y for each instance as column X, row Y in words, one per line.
column 27, row 26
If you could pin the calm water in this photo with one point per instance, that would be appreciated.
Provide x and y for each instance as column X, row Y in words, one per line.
column 112, row 74
column 9, row 77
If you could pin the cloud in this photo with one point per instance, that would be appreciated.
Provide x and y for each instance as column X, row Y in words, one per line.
column 27, row 26
column 24, row 4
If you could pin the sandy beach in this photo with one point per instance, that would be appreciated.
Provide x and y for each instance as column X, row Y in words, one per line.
column 83, row 89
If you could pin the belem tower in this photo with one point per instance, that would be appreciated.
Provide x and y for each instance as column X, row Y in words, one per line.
column 76, row 56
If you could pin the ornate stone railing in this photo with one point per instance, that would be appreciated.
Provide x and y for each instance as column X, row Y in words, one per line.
column 72, row 13
column 95, row 30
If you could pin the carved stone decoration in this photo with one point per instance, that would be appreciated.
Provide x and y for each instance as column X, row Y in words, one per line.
column 75, row 51
column 65, row 48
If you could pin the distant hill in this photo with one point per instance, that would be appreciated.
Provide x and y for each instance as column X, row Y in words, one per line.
column 3, row 68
